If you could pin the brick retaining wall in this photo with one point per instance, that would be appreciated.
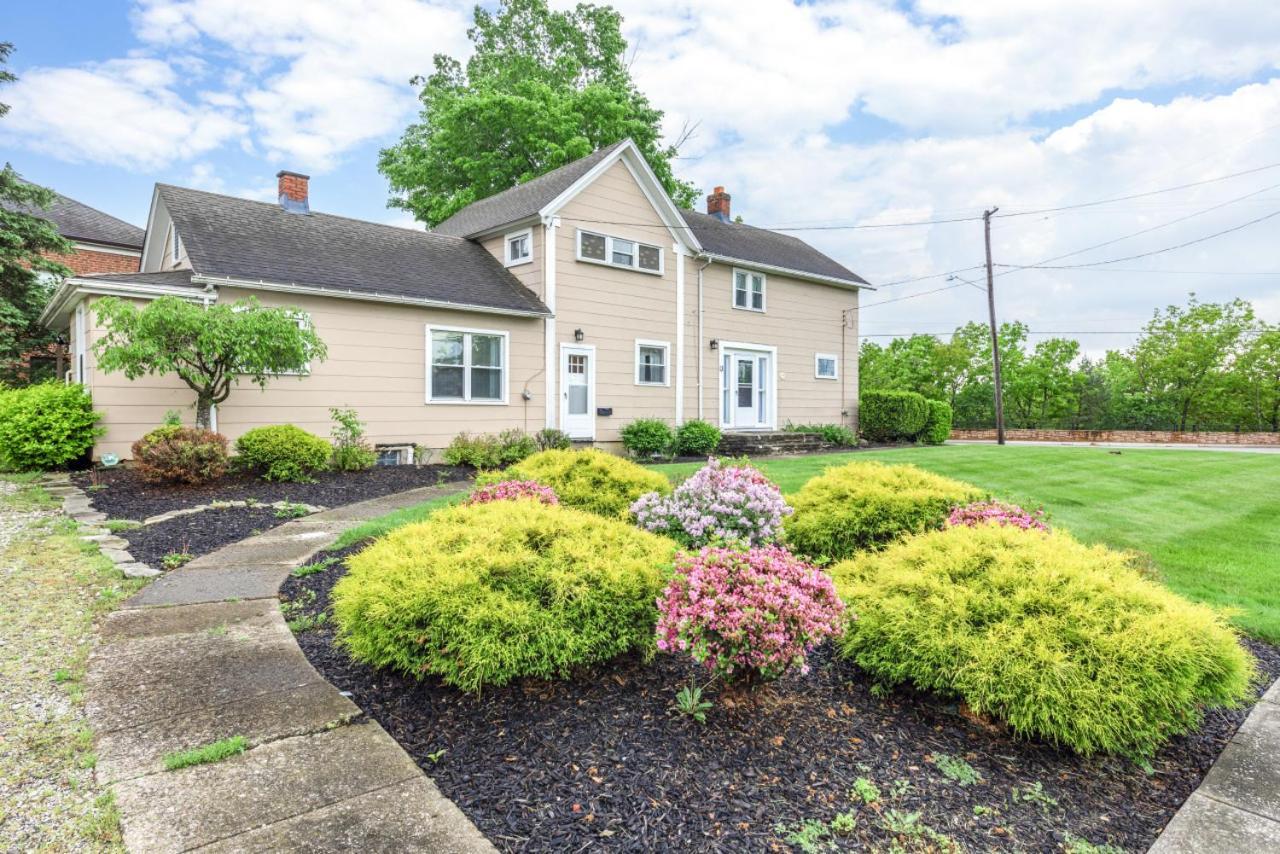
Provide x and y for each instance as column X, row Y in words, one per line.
column 1172, row 437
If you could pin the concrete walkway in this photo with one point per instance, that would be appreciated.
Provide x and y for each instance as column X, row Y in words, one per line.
column 203, row 654
column 1237, row 807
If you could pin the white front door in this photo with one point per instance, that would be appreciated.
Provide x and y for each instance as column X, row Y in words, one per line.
column 745, row 390
column 578, row 391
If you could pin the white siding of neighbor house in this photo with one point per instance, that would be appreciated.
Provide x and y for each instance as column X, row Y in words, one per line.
column 376, row 365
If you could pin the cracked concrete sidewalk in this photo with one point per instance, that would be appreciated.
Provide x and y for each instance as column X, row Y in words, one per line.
column 203, row 654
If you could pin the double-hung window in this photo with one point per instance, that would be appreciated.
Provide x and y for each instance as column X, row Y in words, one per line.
column 519, row 248
column 825, row 366
column 652, row 362
column 748, row 290
column 466, row 366
column 617, row 252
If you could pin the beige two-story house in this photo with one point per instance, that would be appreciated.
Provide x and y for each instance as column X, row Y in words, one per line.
column 581, row 300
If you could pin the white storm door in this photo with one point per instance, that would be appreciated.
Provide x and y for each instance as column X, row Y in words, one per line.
column 746, row 385
column 578, row 391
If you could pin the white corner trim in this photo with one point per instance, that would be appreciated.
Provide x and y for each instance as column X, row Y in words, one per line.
column 666, row 347
column 506, row 246
column 677, row 252
column 835, row 360
column 550, row 358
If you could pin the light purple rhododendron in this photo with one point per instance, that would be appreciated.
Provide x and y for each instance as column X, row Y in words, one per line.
column 997, row 513
column 510, row 490
column 747, row 614
column 718, row 504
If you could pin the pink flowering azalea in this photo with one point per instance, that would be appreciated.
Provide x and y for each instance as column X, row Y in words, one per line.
column 747, row 614
column 511, row 490
column 718, row 504
column 997, row 513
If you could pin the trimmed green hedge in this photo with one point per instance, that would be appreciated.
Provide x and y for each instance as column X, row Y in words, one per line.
column 937, row 427
column 1065, row 642
column 892, row 416
column 589, row 480
column 697, row 439
column 866, row 505
column 486, row 593
column 282, row 452
column 646, row 438
column 46, row 426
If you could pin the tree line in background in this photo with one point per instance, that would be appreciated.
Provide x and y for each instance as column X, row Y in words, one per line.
column 1202, row 366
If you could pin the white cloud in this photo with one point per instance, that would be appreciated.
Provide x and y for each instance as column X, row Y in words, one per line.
column 124, row 112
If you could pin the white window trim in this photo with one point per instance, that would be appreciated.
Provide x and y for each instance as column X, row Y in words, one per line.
column 526, row 233
column 666, row 373
column 175, row 244
column 466, row 372
column 608, row 253
column 835, row 360
column 727, row 347
column 733, row 290
column 567, row 350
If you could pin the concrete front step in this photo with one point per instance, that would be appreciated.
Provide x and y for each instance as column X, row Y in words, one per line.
column 772, row 442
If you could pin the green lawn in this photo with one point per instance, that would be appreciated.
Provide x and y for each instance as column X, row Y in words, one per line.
column 1209, row 520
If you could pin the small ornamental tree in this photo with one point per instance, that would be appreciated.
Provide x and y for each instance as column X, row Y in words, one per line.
column 210, row 348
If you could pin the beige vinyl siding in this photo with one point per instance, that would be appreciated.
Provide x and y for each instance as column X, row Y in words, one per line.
column 530, row 272
column 612, row 306
column 376, row 364
column 801, row 320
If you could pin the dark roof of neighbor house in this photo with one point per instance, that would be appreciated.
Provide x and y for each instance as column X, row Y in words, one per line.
column 523, row 200
column 78, row 222
column 258, row 241
column 167, row 279
column 748, row 243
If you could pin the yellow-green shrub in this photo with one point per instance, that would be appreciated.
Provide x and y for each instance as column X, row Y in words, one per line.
column 1065, row 642
column 589, row 480
column 485, row 593
column 865, row 505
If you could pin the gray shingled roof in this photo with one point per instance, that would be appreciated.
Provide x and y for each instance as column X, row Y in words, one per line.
column 168, row 279
column 522, row 201
column 237, row 238
column 77, row 221
column 747, row 243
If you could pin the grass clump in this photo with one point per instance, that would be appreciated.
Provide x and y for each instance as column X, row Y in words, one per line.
column 115, row 526
column 590, row 480
column 956, row 769
column 207, row 753
column 486, row 593
column 867, row 505
column 1063, row 641
column 313, row 567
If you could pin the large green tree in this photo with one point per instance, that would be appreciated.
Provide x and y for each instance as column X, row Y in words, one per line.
column 210, row 348
column 27, row 276
column 1259, row 372
column 541, row 89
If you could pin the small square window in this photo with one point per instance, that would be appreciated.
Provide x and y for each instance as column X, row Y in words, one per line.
column 651, row 362
column 650, row 258
column 519, row 248
column 591, row 245
column 624, row 253
column 825, row 366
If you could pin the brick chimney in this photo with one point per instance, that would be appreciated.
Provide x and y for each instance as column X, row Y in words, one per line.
column 293, row 191
column 718, row 205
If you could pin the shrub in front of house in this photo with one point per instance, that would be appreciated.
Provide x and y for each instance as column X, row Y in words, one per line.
column 696, row 439
column 646, row 438
column 482, row 594
column 892, row 416
column 512, row 490
column 46, row 426
column 590, row 480
column 866, row 505
column 997, row 513
column 488, row 451
column 937, row 425
column 832, row 434
column 1062, row 641
column 351, row 450
column 282, row 452
column 551, row 439
column 177, row 454
column 747, row 615
column 718, row 504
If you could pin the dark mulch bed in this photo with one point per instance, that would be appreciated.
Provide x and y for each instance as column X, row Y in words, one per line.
column 199, row 533
column 603, row 763
column 127, row 496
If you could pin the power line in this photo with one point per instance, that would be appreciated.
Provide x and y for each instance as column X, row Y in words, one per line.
column 913, row 296
column 1026, row 331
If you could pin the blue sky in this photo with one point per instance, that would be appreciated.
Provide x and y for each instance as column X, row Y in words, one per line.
column 833, row 112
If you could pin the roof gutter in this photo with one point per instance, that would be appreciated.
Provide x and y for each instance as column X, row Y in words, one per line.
column 787, row 271
column 397, row 299
column 73, row 287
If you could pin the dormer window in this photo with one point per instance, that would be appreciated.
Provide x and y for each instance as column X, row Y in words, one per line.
column 618, row 252
column 519, row 248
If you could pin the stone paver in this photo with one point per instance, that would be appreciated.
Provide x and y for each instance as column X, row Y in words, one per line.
column 1237, row 807
column 202, row 654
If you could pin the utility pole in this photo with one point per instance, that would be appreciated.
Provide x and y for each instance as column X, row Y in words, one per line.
column 995, row 334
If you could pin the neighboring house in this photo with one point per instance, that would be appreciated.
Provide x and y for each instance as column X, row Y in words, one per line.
column 582, row 300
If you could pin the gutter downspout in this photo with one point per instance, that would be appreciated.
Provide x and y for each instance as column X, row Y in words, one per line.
column 701, row 391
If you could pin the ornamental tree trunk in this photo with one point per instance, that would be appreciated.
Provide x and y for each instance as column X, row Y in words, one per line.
column 204, row 412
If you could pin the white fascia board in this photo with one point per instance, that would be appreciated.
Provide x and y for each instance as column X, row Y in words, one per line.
column 64, row 298
column 786, row 271
column 306, row 290
column 105, row 248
